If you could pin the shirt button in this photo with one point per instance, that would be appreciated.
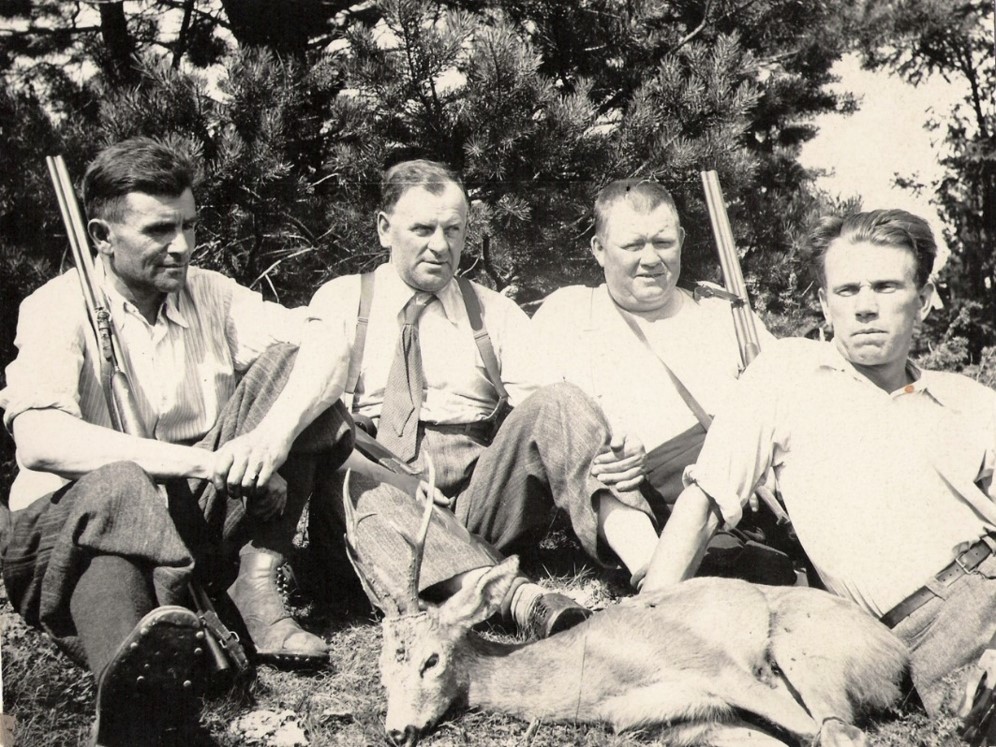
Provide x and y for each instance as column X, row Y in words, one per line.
column 908, row 389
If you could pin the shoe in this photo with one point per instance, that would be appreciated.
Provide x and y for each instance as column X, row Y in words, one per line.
column 146, row 695
column 553, row 613
column 276, row 636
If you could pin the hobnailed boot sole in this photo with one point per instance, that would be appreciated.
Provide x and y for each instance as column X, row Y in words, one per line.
column 149, row 687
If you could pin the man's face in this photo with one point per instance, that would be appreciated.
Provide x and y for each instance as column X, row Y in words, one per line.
column 872, row 302
column 640, row 253
column 148, row 246
column 425, row 233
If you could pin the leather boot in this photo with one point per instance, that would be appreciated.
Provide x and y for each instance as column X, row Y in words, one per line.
column 276, row 636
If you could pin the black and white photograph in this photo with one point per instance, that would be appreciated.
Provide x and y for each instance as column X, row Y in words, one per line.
column 498, row 372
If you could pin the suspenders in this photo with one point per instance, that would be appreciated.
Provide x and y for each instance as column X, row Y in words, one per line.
column 481, row 337
column 360, row 338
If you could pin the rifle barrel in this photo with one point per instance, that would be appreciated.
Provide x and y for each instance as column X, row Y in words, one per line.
column 117, row 390
column 733, row 279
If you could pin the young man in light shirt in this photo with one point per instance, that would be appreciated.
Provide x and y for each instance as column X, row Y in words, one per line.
column 885, row 468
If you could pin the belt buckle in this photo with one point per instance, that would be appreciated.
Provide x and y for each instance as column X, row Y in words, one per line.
column 964, row 567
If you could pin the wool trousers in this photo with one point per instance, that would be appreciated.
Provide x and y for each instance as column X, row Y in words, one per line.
column 505, row 491
column 119, row 510
column 949, row 633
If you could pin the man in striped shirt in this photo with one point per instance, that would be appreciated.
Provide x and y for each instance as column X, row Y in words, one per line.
column 94, row 556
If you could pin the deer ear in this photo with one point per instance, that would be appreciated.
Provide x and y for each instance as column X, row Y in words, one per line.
column 474, row 604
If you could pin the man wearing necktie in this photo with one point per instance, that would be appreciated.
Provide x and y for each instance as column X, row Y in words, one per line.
column 404, row 342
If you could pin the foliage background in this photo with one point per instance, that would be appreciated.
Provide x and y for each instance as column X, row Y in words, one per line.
column 294, row 108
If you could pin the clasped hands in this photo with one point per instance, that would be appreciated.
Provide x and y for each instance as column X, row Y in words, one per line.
column 621, row 464
column 246, row 467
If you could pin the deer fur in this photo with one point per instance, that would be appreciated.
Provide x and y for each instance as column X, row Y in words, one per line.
column 699, row 657
column 708, row 650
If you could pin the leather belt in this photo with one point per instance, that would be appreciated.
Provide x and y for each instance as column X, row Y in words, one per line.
column 482, row 430
column 964, row 563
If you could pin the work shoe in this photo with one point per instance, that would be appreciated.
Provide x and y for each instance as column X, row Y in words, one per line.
column 146, row 695
column 553, row 613
column 276, row 636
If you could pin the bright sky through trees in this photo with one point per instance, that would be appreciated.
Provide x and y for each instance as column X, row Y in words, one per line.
column 863, row 152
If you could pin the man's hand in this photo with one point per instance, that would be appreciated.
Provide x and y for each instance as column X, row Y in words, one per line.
column 978, row 725
column 268, row 502
column 621, row 464
column 437, row 497
column 245, row 465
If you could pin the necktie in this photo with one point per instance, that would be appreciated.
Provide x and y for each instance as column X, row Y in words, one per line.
column 398, row 428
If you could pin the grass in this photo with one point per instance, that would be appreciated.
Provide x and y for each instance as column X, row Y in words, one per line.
column 52, row 700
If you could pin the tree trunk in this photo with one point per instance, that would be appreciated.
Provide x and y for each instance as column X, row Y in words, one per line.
column 119, row 46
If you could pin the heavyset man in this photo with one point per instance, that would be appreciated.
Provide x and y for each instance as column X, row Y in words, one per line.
column 659, row 360
column 94, row 556
column 418, row 365
column 885, row 469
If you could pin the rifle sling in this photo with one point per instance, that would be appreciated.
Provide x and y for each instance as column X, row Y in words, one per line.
column 705, row 420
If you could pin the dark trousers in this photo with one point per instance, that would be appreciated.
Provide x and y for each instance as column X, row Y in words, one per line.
column 758, row 550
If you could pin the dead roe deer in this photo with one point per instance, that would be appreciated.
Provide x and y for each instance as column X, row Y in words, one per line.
column 703, row 656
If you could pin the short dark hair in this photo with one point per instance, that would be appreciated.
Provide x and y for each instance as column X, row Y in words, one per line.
column 883, row 227
column 139, row 164
column 430, row 175
column 642, row 194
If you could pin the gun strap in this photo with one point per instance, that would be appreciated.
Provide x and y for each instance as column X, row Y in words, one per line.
column 227, row 639
column 687, row 397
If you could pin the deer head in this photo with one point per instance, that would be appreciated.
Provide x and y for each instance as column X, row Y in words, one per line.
column 424, row 658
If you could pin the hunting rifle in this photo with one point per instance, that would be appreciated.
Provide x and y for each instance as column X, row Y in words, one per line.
column 736, row 294
column 125, row 417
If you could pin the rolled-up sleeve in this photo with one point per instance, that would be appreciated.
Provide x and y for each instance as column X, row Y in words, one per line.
column 740, row 445
column 253, row 325
column 50, row 353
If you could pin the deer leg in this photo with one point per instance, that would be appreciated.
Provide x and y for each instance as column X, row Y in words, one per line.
column 835, row 657
column 736, row 735
column 707, row 701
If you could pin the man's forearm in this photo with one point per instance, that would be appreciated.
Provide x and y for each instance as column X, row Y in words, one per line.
column 683, row 541
column 55, row 441
column 316, row 382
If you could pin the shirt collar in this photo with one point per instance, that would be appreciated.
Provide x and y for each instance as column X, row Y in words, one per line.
column 397, row 293
column 831, row 357
column 121, row 308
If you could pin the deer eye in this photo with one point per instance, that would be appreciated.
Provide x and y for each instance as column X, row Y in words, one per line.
column 429, row 663
column 400, row 654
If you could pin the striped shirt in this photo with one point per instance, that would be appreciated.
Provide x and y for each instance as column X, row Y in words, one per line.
column 182, row 369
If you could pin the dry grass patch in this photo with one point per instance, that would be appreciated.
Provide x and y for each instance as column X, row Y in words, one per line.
column 52, row 699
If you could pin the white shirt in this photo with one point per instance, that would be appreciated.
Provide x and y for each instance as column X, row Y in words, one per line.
column 588, row 343
column 880, row 487
column 182, row 369
column 457, row 386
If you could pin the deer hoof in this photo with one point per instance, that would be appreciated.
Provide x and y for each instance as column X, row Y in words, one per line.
column 837, row 733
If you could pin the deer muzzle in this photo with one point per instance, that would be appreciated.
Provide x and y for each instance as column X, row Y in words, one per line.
column 408, row 737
